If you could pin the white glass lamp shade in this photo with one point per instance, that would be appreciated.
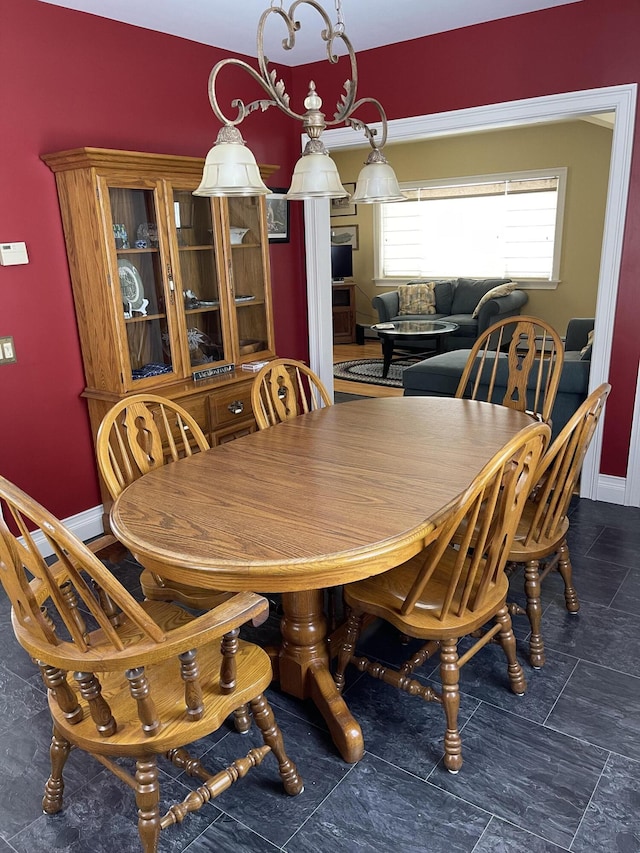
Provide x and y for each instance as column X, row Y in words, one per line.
column 316, row 176
column 230, row 169
column 377, row 183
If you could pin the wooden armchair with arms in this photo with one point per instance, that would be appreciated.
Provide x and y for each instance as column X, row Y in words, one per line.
column 542, row 530
column 137, row 435
column 516, row 362
column 454, row 587
column 284, row 389
column 148, row 678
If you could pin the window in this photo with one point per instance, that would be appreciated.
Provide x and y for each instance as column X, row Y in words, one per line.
column 491, row 226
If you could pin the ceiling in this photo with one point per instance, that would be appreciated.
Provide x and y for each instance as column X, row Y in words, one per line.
column 368, row 23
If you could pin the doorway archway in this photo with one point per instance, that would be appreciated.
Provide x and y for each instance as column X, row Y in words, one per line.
column 618, row 99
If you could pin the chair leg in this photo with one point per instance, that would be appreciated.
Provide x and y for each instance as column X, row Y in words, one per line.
column 54, row 787
column 564, row 567
column 148, row 802
column 508, row 643
column 347, row 647
column 242, row 719
column 272, row 736
column 534, row 612
column 510, row 568
column 450, row 678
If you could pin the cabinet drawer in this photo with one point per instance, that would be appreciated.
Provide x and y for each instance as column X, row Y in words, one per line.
column 198, row 409
column 231, row 404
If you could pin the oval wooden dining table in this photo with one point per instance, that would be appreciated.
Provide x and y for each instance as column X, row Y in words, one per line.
column 329, row 497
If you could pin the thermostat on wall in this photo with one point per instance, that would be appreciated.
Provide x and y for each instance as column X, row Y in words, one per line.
column 13, row 253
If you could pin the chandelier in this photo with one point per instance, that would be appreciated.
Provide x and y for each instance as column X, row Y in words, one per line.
column 230, row 168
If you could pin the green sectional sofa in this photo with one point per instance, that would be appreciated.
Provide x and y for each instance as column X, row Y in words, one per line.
column 455, row 301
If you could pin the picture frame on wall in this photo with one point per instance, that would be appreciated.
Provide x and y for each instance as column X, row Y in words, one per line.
column 343, row 206
column 345, row 235
column 277, row 216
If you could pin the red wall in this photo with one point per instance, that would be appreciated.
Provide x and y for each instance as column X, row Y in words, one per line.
column 582, row 45
column 73, row 79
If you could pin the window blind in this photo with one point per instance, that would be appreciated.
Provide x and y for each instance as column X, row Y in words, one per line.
column 506, row 227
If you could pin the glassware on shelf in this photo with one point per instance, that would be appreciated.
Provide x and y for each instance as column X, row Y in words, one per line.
column 148, row 231
column 120, row 235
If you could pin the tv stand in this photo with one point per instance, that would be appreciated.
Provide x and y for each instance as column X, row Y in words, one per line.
column 343, row 306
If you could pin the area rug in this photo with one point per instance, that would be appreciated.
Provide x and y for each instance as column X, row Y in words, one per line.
column 370, row 370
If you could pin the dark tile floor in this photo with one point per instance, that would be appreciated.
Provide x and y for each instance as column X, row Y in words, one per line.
column 556, row 769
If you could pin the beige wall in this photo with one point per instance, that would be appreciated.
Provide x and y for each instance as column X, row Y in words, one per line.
column 584, row 148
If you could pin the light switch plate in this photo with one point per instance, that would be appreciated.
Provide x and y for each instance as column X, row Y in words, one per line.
column 7, row 351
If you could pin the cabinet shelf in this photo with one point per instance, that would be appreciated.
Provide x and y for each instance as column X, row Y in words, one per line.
column 150, row 250
column 144, row 318
column 202, row 309
column 245, row 303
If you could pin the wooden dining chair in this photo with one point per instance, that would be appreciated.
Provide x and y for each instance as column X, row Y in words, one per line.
column 453, row 587
column 137, row 435
column 284, row 389
column 148, row 679
column 517, row 362
column 542, row 530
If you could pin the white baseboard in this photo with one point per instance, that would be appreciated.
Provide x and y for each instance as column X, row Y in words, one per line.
column 611, row 489
column 85, row 525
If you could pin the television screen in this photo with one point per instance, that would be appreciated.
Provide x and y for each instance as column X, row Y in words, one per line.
column 341, row 262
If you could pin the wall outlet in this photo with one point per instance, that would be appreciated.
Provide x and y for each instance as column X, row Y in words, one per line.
column 7, row 351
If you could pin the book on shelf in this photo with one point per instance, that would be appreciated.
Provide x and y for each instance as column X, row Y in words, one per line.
column 254, row 366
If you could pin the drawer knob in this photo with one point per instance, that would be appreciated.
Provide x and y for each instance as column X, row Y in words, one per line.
column 236, row 408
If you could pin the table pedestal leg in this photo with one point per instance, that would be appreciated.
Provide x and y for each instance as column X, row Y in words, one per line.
column 303, row 668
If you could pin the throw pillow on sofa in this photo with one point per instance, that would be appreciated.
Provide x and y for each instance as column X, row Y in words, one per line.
column 469, row 292
column 500, row 290
column 444, row 288
column 585, row 352
column 417, row 298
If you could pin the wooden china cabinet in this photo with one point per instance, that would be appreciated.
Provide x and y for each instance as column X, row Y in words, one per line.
column 172, row 291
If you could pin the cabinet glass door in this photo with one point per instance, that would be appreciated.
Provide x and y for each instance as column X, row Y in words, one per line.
column 140, row 272
column 204, row 314
column 249, row 259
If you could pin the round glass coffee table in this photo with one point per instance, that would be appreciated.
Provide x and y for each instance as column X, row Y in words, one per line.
column 405, row 336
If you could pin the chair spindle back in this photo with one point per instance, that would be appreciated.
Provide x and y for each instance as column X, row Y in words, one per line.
column 560, row 468
column 533, row 361
column 141, row 433
column 479, row 529
column 284, row 389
